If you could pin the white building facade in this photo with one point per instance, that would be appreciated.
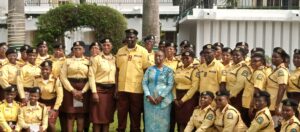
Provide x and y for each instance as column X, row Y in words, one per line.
column 266, row 28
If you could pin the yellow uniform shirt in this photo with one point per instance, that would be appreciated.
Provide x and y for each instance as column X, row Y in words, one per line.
column 131, row 64
column 3, row 62
column 151, row 60
column 8, row 113
column 294, row 81
column 102, row 70
column 50, row 89
column 202, row 120
column 40, row 59
column 74, row 68
column 262, row 122
column 237, row 77
column 171, row 63
column 8, row 75
column 33, row 115
column 21, row 62
column 196, row 62
column 228, row 66
column 257, row 80
column 57, row 65
column 229, row 120
column 248, row 60
column 279, row 76
column 291, row 125
column 26, row 77
column 211, row 76
column 187, row 79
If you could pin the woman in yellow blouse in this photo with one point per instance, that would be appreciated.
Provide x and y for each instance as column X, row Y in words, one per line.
column 74, row 77
column 51, row 92
column 293, row 90
column 102, row 81
column 186, row 85
column 277, row 81
column 237, row 76
column 9, row 110
column 9, row 72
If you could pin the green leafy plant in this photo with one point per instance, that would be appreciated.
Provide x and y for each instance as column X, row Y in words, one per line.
column 105, row 21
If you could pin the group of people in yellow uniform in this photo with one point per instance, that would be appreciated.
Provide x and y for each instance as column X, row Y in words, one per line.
column 223, row 90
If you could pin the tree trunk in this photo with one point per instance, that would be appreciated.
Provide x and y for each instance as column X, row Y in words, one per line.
column 16, row 23
column 151, row 24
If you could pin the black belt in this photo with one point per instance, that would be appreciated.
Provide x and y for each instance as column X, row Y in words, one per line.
column 78, row 79
column 105, row 86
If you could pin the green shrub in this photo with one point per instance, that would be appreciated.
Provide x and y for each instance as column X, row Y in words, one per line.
column 105, row 21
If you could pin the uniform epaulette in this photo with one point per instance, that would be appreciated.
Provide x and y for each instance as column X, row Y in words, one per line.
column 291, row 121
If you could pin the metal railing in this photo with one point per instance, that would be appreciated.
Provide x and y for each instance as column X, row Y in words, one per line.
column 186, row 6
column 57, row 2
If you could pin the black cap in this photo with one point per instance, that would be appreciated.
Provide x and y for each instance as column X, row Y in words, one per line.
column 46, row 63
column 10, row 51
column 241, row 44
column 219, row 44
column 297, row 51
column 31, row 50
column 24, row 48
column 162, row 42
column 79, row 43
column 2, row 44
column 240, row 49
column 223, row 93
column 59, row 46
column 41, row 43
column 258, row 50
column 170, row 44
column 188, row 53
column 184, row 42
column 106, row 40
column 188, row 46
column 290, row 102
column 262, row 94
column 149, row 37
column 209, row 46
column 227, row 49
column 94, row 44
column 34, row 90
column 208, row 93
column 11, row 89
column 131, row 31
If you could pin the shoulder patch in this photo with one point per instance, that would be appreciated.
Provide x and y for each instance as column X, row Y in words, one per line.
column 259, row 77
column 293, row 130
column 280, row 73
column 260, row 120
column 245, row 73
column 198, row 74
column 229, row 115
column 210, row 117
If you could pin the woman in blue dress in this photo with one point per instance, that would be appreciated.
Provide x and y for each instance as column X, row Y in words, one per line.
column 157, row 85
